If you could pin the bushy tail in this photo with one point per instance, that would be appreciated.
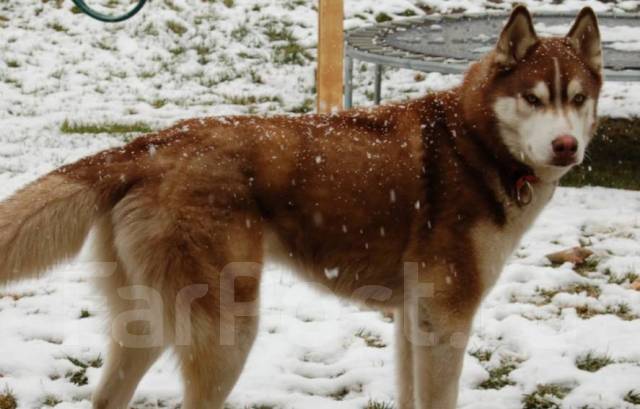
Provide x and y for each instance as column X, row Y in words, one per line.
column 44, row 224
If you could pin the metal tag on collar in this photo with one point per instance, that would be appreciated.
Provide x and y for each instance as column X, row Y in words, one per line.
column 524, row 193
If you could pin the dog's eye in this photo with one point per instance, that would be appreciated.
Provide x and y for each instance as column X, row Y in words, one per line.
column 579, row 99
column 532, row 100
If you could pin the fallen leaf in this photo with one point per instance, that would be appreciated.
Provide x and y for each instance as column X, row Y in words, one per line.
column 576, row 255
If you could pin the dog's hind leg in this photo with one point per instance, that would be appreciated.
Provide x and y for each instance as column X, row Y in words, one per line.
column 202, row 263
column 210, row 370
column 223, row 323
column 124, row 369
column 125, row 365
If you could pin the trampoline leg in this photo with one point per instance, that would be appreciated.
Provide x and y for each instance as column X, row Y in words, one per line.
column 348, row 82
column 378, row 84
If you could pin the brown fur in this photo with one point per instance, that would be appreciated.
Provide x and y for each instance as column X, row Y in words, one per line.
column 400, row 200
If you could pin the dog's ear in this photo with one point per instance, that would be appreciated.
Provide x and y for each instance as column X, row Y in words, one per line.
column 585, row 38
column 517, row 37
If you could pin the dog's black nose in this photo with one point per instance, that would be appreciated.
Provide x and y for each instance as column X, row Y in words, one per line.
column 565, row 147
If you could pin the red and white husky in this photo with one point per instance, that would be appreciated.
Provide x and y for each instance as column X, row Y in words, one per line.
column 411, row 207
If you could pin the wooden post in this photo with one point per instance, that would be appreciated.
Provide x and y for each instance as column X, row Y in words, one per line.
column 330, row 55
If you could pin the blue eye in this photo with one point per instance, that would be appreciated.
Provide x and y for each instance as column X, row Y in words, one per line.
column 579, row 99
column 532, row 100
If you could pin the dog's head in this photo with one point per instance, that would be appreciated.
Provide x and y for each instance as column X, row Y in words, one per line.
column 543, row 92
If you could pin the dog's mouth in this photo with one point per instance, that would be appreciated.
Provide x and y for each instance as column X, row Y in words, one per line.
column 564, row 162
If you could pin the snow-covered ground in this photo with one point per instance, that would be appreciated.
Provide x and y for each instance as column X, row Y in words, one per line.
column 184, row 58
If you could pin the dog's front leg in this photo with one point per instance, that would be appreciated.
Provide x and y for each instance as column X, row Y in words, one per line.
column 439, row 339
column 404, row 361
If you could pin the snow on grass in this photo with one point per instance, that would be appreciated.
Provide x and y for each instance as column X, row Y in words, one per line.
column 71, row 86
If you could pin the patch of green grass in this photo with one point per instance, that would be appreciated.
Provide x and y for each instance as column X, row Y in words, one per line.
column 589, row 265
column 57, row 74
column 96, row 363
column 622, row 311
column 276, row 33
column 228, row 75
column 342, row 392
column 8, row 399
column 623, row 279
column 246, row 56
column 369, row 95
column 291, row 53
column 107, row 127
column 93, row 363
column 159, row 103
column 408, row 13
column 591, row 290
column 372, row 340
column 292, row 5
column 58, row 27
column 177, row 51
column 173, row 6
column 499, row 376
column 84, row 313
column 256, row 78
column 151, row 30
column 305, row 107
column 585, row 312
column 51, row 400
column 251, row 99
column 176, row 27
column 613, row 157
column 632, row 397
column 383, row 17
column 118, row 74
column 57, row 3
column 9, row 80
column 13, row 64
column 77, row 362
column 547, row 396
column 372, row 404
column 209, row 15
column 104, row 44
column 482, row 355
column 239, row 33
column 592, row 362
column 79, row 376
column 229, row 3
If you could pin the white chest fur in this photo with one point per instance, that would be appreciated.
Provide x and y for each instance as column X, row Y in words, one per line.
column 493, row 244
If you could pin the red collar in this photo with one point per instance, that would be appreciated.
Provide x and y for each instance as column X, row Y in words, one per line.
column 524, row 188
